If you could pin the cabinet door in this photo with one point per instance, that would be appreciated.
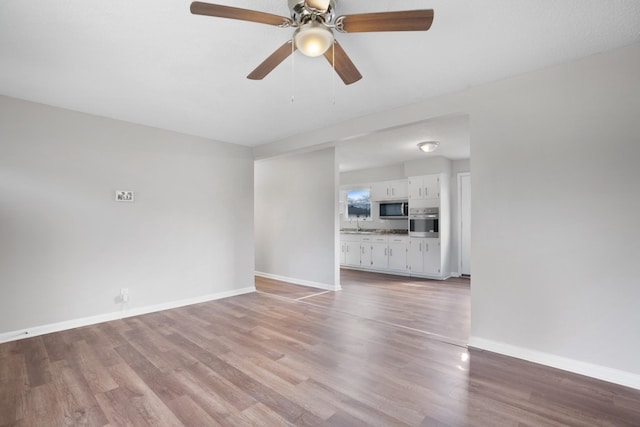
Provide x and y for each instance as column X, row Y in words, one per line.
column 415, row 188
column 431, row 186
column 352, row 256
column 432, row 256
column 398, row 189
column 365, row 254
column 415, row 255
column 378, row 192
column 379, row 255
column 397, row 256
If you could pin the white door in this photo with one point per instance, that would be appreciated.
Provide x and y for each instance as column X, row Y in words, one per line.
column 464, row 189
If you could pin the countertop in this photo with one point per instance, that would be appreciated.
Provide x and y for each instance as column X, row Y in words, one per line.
column 374, row 231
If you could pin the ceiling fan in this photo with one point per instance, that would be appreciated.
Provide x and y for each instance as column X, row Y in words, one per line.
column 314, row 21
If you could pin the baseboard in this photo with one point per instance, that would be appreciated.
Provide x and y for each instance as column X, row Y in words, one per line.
column 302, row 282
column 92, row 320
column 604, row 373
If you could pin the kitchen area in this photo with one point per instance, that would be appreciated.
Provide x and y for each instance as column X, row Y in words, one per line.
column 397, row 227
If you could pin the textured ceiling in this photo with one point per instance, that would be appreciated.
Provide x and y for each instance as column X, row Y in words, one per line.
column 153, row 63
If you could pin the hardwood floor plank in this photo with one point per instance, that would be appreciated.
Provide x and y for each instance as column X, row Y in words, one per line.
column 74, row 396
column 312, row 404
column 13, row 384
column 190, row 414
column 36, row 359
column 133, row 402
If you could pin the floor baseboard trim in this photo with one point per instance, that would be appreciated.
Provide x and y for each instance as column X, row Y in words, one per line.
column 302, row 282
column 127, row 312
column 599, row 372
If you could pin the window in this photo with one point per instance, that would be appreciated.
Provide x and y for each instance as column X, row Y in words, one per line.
column 359, row 204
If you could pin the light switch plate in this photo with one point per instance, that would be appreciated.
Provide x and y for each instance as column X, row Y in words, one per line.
column 124, row 196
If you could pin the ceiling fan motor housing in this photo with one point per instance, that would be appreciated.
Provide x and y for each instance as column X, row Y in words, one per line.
column 301, row 13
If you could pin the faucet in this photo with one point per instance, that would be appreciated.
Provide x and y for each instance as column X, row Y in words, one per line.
column 358, row 223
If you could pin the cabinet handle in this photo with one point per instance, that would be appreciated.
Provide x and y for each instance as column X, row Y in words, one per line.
column 387, row 191
column 426, row 247
column 391, row 252
column 426, row 191
column 420, row 247
column 420, row 191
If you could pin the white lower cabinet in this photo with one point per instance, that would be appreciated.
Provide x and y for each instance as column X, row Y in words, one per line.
column 380, row 254
column 424, row 256
column 398, row 248
column 374, row 252
column 351, row 250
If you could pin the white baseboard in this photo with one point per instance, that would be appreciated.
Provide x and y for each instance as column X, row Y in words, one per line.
column 604, row 373
column 302, row 282
column 92, row 320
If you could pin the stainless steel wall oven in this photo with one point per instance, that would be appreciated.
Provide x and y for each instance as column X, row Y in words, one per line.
column 424, row 222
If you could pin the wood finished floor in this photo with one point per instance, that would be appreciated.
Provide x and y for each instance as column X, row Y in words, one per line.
column 277, row 360
column 439, row 308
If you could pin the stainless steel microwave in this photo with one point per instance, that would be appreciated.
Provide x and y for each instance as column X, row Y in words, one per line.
column 394, row 210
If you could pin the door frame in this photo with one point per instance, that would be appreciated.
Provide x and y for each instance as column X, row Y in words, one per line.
column 459, row 220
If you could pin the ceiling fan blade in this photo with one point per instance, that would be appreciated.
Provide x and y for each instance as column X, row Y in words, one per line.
column 321, row 5
column 407, row 20
column 343, row 65
column 199, row 8
column 272, row 61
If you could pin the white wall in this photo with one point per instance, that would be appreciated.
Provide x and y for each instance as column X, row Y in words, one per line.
column 66, row 247
column 385, row 173
column 554, row 210
column 296, row 231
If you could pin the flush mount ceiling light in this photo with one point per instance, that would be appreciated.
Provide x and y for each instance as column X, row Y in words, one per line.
column 313, row 39
column 428, row 146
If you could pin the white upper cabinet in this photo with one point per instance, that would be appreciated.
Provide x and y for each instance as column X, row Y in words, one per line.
column 424, row 187
column 389, row 190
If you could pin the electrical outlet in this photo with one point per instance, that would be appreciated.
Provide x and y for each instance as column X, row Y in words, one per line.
column 124, row 294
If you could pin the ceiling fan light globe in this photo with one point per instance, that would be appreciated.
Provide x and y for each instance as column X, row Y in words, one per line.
column 313, row 39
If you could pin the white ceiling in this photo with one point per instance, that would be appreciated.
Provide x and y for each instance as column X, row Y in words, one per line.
column 397, row 145
column 152, row 62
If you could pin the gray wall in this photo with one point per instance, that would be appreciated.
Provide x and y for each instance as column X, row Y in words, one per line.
column 554, row 210
column 563, row 141
column 66, row 247
column 296, row 231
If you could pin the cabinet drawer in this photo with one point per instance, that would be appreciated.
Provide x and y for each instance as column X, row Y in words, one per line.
column 399, row 239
